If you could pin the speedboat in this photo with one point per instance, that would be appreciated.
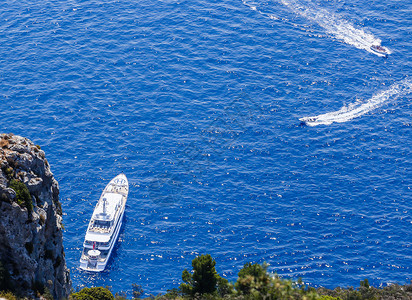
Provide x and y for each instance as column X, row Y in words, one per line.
column 104, row 226
column 380, row 50
column 307, row 120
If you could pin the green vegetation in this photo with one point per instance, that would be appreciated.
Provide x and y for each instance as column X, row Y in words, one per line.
column 8, row 171
column 137, row 291
column 8, row 295
column 203, row 280
column 366, row 292
column 23, row 196
column 254, row 282
column 94, row 293
column 47, row 294
column 253, row 277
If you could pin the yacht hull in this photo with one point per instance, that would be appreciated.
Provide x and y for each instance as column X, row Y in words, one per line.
column 103, row 239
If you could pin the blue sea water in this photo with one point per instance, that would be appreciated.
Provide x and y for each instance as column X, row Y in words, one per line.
column 198, row 103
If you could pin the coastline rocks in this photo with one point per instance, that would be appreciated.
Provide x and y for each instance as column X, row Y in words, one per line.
column 31, row 238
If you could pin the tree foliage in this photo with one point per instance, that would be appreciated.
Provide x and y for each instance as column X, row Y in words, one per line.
column 254, row 283
column 252, row 277
column 137, row 291
column 204, row 274
column 204, row 279
column 94, row 293
column 23, row 197
column 8, row 296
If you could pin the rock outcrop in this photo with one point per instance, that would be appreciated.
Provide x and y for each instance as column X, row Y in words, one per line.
column 31, row 238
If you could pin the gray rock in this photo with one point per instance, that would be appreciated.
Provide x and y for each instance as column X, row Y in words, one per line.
column 31, row 243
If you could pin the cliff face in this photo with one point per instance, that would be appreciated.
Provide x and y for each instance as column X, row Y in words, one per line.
column 31, row 240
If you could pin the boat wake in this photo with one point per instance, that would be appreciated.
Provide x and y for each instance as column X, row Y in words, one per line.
column 359, row 108
column 334, row 25
column 271, row 16
column 255, row 8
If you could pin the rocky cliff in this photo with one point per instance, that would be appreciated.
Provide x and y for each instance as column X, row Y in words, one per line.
column 31, row 240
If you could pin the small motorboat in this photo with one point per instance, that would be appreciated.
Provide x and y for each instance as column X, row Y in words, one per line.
column 380, row 50
column 307, row 120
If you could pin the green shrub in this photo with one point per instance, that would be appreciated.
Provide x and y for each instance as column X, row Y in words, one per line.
column 137, row 291
column 94, row 293
column 120, row 296
column 365, row 291
column 8, row 296
column 47, row 294
column 172, row 294
column 204, row 278
column 224, row 288
column 8, row 171
column 23, row 197
column 252, row 277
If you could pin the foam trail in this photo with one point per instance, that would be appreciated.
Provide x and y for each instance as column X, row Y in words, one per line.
column 254, row 8
column 336, row 26
column 358, row 109
column 277, row 18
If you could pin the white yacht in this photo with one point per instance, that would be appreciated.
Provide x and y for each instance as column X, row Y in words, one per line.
column 104, row 225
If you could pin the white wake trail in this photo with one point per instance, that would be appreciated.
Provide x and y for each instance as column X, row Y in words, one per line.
column 254, row 8
column 335, row 26
column 358, row 109
column 277, row 18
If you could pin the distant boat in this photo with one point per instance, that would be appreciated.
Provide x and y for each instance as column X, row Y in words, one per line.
column 380, row 50
column 104, row 225
column 307, row 121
